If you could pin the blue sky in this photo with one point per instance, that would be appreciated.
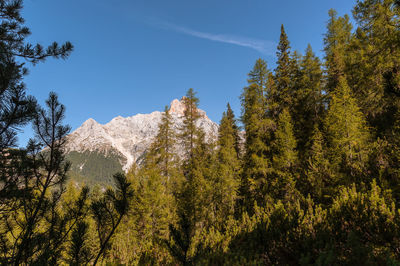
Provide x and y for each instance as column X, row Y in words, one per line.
column 136, row 56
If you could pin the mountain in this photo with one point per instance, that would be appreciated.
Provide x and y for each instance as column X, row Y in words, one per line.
column 97, row 151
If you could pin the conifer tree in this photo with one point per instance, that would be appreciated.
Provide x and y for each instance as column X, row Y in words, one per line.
column 16, row 107
column 153, row 203
column 317, row 170
column 33, row 230
column 336, row 43
column 281, row 182
column 231, row 117
column 194, row 194
column 152, row 212
column 375, row 63
column 308, row 108
column 189, row 131
column 258, row 128
column 227, row 175
column 259, row 76
column 284, row 74
column 108, row 212
column 347, row 134
column 162, row 150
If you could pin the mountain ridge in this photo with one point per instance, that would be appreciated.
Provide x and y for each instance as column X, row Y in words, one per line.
column 127, row 138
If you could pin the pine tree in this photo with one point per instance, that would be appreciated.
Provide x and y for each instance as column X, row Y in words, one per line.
column 36, row 231
column 16, row 107
column 108, row 212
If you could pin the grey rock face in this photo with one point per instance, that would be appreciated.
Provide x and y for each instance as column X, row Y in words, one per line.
column 130, row 137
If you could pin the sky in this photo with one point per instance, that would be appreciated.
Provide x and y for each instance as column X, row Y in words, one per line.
column 136, row 56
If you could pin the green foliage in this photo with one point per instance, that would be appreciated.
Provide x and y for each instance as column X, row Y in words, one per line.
column 373, row 68
column 284, row 74
column 336, row 41
column 309, row 98
column 193, row 196
column 258, row 129
column 347, row 135
column 79, row 252
column 109, row 210
column 281, row 181
column 93, row 168
column 318, row 172
column 227, row 176
column 314, row 181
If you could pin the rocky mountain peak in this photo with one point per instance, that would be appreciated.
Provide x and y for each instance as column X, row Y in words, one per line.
column 129, row 137
column 178, row 107
column 91, row 125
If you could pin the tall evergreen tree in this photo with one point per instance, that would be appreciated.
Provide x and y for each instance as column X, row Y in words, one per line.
column 227, row 174
column 308, row 108
column 281, row 182
column 190, row 131
column 336, row 43
column 347, row 134
column 284, row 74
column 238, row 142
column 162, row 150
column 374, row 66
column 318, row 173
column 258, row 128
column 194, row 194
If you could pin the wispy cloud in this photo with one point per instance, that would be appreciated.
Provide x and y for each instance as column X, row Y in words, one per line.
column 263, row 46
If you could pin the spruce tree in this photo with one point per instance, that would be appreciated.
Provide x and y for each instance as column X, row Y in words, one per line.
column 258, row 127
column 284, row 74
column 238, row 142
column 308, row 108
column 226, row 180
column 152, row 212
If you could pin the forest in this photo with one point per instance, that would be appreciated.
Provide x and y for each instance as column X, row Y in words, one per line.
column 308, row 173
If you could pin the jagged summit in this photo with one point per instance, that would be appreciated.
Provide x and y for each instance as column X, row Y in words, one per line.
column 128, row 138
column 177, row 107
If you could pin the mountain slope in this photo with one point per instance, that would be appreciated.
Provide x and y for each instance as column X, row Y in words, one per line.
column 97, row 151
